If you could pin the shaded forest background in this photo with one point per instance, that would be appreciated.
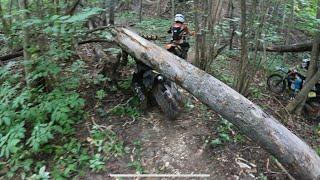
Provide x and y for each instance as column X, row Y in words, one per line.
column 67, row 109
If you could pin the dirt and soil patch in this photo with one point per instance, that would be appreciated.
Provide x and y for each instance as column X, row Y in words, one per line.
column 198, row 142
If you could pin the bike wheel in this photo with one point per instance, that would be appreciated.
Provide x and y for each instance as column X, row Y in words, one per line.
column 276, row 84
column 175, row 92
column 167, row 101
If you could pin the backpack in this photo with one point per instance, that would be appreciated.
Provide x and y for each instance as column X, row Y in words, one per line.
column 177, row 32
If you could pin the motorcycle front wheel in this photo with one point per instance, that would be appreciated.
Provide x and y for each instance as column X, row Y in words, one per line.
column 168, row 100
column 276, row 83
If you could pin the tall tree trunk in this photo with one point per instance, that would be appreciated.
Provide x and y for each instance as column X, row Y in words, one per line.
column 57, row 5
column 158, row 8
column 111, row 12
column 140, row 10
column 287, row 31
column 173, row 8
column 296, row 155
column 196, row 23
column 255, row 64
column 242, row 72
column 231, row 24
column 23, row 5
column 203, row 45
column 71, row 10
column 216, row 8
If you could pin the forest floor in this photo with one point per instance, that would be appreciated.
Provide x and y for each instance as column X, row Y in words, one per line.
column 198, row 142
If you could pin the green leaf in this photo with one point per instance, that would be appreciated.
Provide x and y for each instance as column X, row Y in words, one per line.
column 41, row 134
column 216, row 142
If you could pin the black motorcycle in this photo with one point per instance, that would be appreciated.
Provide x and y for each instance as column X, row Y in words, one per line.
column 150, row 86
column 283, row 78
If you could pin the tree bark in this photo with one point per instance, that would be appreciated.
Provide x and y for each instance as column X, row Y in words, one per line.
column 23, row 5
column 173, row 8
column 296, row 155
column 298, row 47
column 255, row 63
column 198, row 35
column 73, row 8
column 158, row 8
column 11, row 56
column 287, row 30
column 232, row 28
column 140, row 10
column 242, row 74
column 111, row 12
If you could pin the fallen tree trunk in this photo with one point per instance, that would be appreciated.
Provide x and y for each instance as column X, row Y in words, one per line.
column 11, row 56
column 300, row 159
column 300, row 47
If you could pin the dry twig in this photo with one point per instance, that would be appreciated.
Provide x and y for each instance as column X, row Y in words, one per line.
column 284, row 170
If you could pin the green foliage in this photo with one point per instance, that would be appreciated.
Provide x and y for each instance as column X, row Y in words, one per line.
column 124, row 16
column 41, row 134
column 128, row 109
column 106, row 141
column 155, row 26
column 43, row 115
column 225, row 134
column 318, row 150
column 80, row 17
column 262, row 177
column 107, row 144
column 100, row 94
column 38, row 121
column 255, row 92
column 70, row 159
column 125, row 84
column 136, row 161
column 220, row 70
column 97, row 163
column 306, row 11
column 10, row 140
column 42, row 175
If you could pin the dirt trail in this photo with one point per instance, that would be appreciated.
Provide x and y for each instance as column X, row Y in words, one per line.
column 180, row 146
column 174, row 147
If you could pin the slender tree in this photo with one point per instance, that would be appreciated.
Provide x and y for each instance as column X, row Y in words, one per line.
column 23, row 5
column 111, row 12
column 140, row 10
column 173, row 8
column 158, row 8
column 242, row 71
column 290, row 25
column 231, row 24
column 196, row 22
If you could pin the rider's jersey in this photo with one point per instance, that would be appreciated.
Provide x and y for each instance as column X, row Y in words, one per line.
column 179, row 32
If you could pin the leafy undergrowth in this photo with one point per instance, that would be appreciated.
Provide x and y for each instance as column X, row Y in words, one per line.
column 84, row 126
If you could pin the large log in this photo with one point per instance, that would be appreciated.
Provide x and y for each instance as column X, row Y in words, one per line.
column 299, row 47
column 11, row 56
column 300, row 159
